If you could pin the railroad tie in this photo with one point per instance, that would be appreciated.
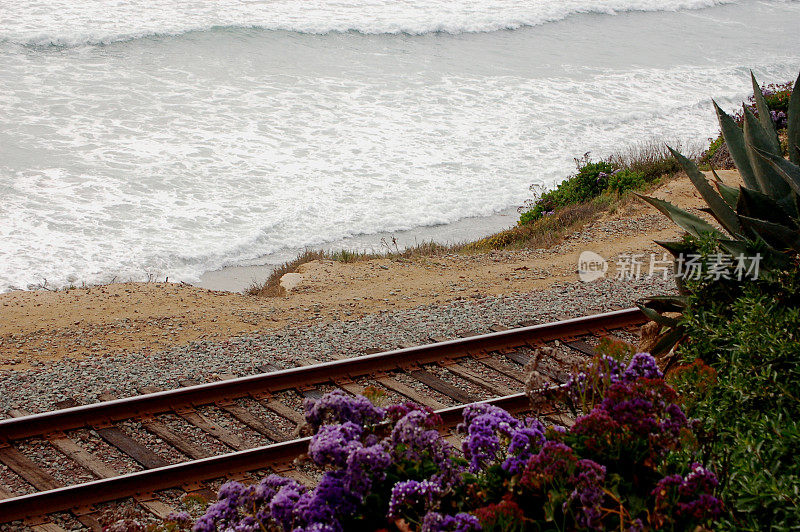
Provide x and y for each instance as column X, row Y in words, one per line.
column 203, row 423
column 246, row 417
column 493, row 363
column 429, row 379
column 505, row 369
column 181, row 443
column 409, row 392
column 39, row 479
column 161, row 430
column 581, row 346
column 118, row 438
column 475, row 378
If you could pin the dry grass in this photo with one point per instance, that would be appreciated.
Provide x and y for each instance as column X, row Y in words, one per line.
column 653, row 159
column 545, row 232
column 272, row 286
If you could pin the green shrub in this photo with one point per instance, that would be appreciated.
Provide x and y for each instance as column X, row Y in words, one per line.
column 626, row 170
column 750, row 337
column 590, row 181
column 622, row 181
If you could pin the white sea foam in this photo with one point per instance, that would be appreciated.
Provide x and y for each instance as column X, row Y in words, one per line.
column 179, row 156
column 71, row 22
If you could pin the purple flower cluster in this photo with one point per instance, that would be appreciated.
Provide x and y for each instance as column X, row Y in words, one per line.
column 493, row 435
column 637, row 420
column 461, row 522
column 357, row 452
column 641, row 366
column 333, row 444
column 338, row 407
column 556, row 468
column 391, row 467
column 246, row 508
column 548, row 464
column 181, row 519
column 413, row 494
column 690, row 498
column 587, row 494
column 585, row 388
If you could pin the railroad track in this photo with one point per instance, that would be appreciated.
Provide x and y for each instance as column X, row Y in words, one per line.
column 62, row 469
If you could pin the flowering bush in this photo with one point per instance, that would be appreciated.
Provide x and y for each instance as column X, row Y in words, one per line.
column 586, row 388
column 389, row 468
column 590, row 181
column 777, row 98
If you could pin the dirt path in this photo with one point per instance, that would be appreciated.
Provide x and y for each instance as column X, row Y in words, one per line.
column 41, row 326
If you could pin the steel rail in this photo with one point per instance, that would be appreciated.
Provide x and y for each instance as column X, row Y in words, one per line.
column 143, row 483
column 203, row 394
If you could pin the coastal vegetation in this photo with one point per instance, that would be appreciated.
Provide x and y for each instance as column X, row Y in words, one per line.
column 703, row 437
column 595, row 188
column 740, row 332
column 614, row 176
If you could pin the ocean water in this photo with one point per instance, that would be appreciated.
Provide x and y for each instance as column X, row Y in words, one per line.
column 170, row 137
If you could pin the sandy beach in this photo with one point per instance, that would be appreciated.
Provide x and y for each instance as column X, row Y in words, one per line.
column 44, row 326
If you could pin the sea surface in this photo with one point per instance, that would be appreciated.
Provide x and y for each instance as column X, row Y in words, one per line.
column 153, row 138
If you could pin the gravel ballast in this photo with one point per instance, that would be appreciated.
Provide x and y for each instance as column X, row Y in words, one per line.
column 39, row 388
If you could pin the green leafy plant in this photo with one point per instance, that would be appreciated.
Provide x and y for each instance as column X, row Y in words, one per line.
column 624, row 180
column 741, row 380
column 589, row 182
column 758, row 220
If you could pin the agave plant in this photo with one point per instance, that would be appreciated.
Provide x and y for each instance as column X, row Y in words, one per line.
column 763, row 216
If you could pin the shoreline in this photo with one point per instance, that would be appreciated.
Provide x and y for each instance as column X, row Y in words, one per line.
column 238, row 278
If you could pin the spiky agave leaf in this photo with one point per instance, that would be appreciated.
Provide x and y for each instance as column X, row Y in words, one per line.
column 789, row 171
column 758, row 205
column 657, row 317
column 691, row 223
column 777, row 236
column 668, row 340
column 729, row 194
column 734, row 139
column 665, row 303
column 764, row 116
column 793, row 130
column 746, row 252
column 717, row 205
column 676, row 248
column 769, row 181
